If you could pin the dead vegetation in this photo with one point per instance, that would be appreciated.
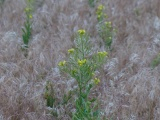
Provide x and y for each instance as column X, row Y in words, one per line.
column 129, row 89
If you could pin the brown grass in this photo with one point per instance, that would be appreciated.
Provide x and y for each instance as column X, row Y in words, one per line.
column 129, row 88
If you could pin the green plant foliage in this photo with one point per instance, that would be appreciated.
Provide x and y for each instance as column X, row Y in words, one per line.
column 155, row 61
column 81, row 65
column 27, row 29
column 67, row 97
column 1, row 2
column 53, row 102
column 49, row 95
column 50, row 101
column 100, row 13
column 106, row 33
column 91, row 3
column 105, row 28
column 137, row 12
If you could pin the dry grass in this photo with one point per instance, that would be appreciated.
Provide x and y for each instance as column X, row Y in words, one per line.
column 129, row 89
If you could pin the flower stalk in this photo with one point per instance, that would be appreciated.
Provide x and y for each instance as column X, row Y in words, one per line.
column 81, row 67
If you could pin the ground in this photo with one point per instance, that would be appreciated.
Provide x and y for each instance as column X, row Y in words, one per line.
column 129, row 88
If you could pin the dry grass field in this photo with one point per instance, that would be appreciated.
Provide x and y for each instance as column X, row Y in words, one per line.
column 129, row 87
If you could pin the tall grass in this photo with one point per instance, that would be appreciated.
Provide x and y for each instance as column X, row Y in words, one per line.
column 128, row 87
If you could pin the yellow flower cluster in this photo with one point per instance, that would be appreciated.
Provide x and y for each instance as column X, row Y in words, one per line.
column 81, row 62
column 100, row 13
column 100, row 7
column 27, row 9
column 96, row 81
column 99, row 16
column 93, row 74
column 110, row 38
column 30, row 16
column 81, row 32
column 62, row 63
column 103, row 53
column 108, row 24
column 71, row 50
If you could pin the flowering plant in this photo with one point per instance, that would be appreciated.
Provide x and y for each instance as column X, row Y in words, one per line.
column 81, row 65
column 105, row 28
column 27, row 29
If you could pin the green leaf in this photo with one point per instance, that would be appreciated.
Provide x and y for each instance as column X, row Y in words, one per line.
column 50, row 101
column 96, row 113
column 23, row 30
column 93, row 100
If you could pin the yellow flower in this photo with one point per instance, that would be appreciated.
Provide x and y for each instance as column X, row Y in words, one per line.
column 81, row 32
column 110, row 38
column 27, row 9
column 99, row 16
column 108, row 24
column 96, row 81
column 101, row 7
column 93, row 74
column 99, row 53
column 81, row 62
column 115, row 30
column 62, row 63
column 30, row 16
column 71, row 50
column 103, row 53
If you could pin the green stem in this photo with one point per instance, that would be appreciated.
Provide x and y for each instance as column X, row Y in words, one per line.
column 83, row 52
